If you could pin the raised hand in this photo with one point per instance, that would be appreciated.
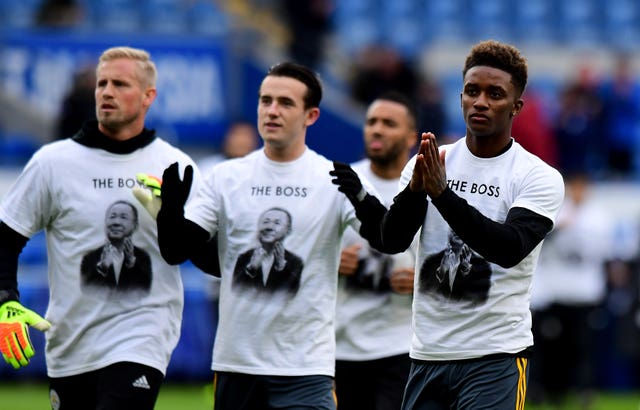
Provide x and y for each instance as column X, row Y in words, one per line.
column 174, row 190
column 429, row 172
column 348, row 182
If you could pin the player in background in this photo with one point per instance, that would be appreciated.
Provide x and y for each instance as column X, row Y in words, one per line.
column 375, row 290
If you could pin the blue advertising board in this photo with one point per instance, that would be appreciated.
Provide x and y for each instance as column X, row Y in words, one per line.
column 38, row 66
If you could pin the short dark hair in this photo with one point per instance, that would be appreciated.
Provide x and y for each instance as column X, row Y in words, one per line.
column 402, row 99
column 303, row 74
column 502, row 56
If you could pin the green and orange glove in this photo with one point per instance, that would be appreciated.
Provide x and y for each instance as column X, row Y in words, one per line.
column 148, row 193
column 15, row 343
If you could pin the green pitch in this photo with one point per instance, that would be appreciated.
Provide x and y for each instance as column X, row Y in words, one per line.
column 174, row 396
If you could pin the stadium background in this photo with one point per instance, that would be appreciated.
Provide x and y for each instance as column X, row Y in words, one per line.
column 211, row 56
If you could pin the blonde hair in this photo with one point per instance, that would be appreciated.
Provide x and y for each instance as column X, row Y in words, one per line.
column 147, row 69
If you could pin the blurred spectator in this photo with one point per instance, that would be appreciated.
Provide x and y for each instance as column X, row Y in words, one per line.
column 308, row 21
column 620, row 355
column 59, row 13
column 567, row 298
column 532, row 129
column 578, row 126
column 78, row 104
column 240, row 139
column 621, row 114
column 432, row 116
column 378, row 69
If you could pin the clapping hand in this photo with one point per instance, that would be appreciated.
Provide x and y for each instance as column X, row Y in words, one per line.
column 429, row 171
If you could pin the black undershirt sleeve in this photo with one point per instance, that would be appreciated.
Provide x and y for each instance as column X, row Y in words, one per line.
column 205, row 257
column 505, row 244
column 370, row 212
column 180, row 239
column 11, row 244
column 403, row 220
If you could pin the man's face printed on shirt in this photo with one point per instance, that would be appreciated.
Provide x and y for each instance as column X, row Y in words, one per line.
column 273, row 226
column 120, row 221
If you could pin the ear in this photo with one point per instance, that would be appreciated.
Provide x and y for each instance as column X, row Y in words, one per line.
column 412, row 140
column 517, row 107
column 149, row 97
column 312, row 116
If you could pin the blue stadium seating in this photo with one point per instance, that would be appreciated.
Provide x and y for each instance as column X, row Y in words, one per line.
column 204, row 17
column 164, row 16
column 444, row 21
column 115, row 15
column 18, row 13
column 533, row 22
column 489, row 19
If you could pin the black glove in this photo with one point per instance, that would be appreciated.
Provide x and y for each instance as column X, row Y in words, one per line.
column 174, row 192
column 369, row 210
column 348, row 182
column 172, row 232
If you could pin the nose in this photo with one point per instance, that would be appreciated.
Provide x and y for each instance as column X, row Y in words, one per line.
column 106, row 90
column 481, row 101
column 376, row 127
column 272, row 109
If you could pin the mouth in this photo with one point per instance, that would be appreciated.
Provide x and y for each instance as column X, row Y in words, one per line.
column 376, row 145
column 271, row 125
column 478, row 118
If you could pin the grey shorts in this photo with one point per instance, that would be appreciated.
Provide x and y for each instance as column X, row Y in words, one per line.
column 239, row 391
column 494, row 382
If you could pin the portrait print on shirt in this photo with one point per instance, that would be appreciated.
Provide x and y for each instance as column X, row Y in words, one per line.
column 373, row 273
column 456, row 272
column 118, row 263
column 269, row 266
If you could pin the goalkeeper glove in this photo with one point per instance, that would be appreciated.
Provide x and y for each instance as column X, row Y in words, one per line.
column 15, row 344
column 148, row 193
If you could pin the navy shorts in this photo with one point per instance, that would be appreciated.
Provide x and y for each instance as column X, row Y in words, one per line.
column 122, row 386
column 372, row 384
column 495, row 382
column 239, row 391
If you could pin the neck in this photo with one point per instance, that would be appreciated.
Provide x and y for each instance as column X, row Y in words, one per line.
column 488, row 146
column 391, row 170
column 284, row 153
column 122, row 134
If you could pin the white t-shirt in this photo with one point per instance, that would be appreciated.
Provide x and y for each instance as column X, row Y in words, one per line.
column 494, row 317
column 67, row 189
column 372, row 321
column 286, row 329
column 571, row 266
